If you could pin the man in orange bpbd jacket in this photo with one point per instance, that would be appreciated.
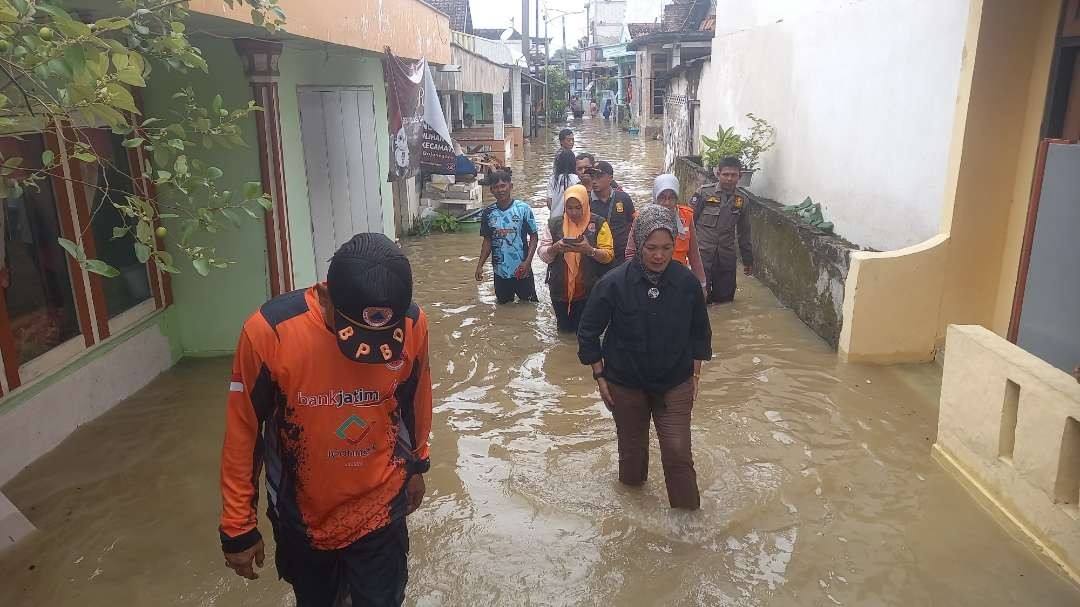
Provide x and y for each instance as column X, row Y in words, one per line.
column 331, row 396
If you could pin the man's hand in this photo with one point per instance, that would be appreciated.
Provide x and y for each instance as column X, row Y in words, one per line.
column 522, row 270
column 414, row 492
column 748, row 270
column 697, row 380
column 241, row 562
column 605, row 392
column 479, row 273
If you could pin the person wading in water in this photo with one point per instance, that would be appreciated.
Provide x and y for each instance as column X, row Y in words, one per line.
column 645, row 332
column 577, row 248
column 331, row 395
column 666, row 194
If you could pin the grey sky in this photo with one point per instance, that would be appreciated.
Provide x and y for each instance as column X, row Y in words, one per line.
column 497, row 13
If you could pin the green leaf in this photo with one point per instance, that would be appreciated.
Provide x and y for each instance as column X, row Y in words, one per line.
column 100, row 267
column 109, row 114
column 47, row 158
column 181, row 166
column 73, row 249
column 120, row 61
column 3, row 100
column 85, row 156
column 121, row 97
column 131, row 77
column 112, row 23
column 217, row 103
column 164, row 176
column 98, row 65
column 202, row 266
column 214, row 172
column 252, row 189
column 120, row 231
column 178, row 26
column 142, row 252
column 76, row 58
column 134, row 142
column 265, row 202
column 257, row 17
column 144, row 231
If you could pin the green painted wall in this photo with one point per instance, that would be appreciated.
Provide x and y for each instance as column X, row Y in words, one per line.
column 211, row 310
column 317, row 67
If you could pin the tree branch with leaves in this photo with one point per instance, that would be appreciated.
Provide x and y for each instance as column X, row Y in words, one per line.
column 59, row 71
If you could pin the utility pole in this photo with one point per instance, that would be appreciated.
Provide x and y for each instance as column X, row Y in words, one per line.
column 525, row 45
column 566, row 74
column 547, row 61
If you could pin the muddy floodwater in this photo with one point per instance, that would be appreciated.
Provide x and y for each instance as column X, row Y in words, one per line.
column 816, row 477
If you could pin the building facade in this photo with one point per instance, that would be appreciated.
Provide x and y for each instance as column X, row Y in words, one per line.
column 73, row 344
column 685, row 33
column 945, row 136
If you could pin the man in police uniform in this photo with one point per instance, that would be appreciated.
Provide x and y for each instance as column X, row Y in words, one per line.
column 719, row 216
column 613, row 205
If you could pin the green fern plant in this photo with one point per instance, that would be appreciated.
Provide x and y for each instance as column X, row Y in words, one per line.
column 726, row 143
column 748, row 149
column 445, row 222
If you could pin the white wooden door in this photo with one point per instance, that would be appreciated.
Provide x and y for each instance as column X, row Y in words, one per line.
column 337, row 126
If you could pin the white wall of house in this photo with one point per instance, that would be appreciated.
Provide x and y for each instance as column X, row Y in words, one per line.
column 607, row 18
column 862, row 95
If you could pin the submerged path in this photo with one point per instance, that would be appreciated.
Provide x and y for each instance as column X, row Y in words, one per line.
column 817, row 484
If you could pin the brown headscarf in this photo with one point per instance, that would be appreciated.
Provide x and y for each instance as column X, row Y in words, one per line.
column 573, row 229
column 650, row 218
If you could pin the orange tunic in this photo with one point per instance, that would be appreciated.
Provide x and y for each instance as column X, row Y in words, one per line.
column 682, row 242
column 337, row 438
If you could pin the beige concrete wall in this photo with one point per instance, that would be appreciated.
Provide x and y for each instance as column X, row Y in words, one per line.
column 410, row 27
column 999, row 108
column 1007, row 97
column 884, row 321
column 1009, row 425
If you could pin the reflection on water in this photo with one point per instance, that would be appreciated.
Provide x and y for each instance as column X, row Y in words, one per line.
column 817, row 485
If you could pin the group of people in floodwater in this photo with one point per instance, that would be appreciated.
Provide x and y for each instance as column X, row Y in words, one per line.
column 633, row 283
column 331, row 388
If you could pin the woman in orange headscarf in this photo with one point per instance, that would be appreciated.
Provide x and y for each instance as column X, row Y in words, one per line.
column 577, row 246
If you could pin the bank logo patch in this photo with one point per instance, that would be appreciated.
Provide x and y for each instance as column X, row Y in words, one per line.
column 353, row 430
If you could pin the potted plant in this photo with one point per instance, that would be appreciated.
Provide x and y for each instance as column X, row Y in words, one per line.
column 748, row 149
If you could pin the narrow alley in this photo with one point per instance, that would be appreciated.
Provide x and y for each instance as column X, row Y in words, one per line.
column 817, row 483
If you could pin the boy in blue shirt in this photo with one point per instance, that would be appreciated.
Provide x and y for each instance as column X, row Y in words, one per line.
column 506, row 226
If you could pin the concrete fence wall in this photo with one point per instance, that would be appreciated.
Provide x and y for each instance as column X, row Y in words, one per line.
column 862, row 95
column 803, row 267
column 1009, row 425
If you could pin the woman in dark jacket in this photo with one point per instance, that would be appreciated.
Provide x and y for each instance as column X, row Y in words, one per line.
column 648, row 365
column 577, row 246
